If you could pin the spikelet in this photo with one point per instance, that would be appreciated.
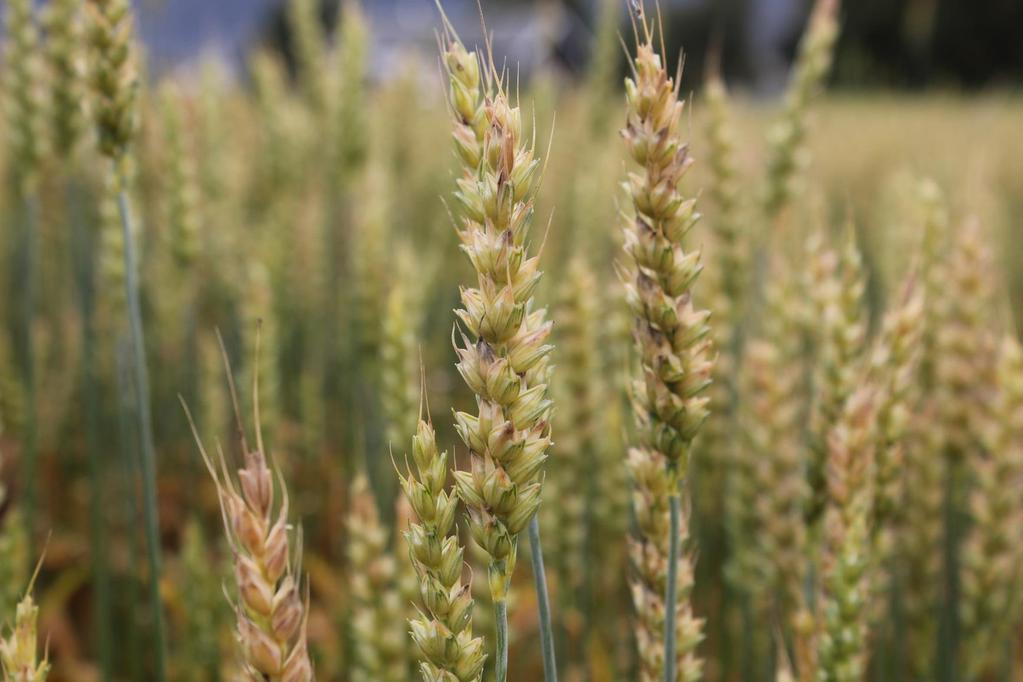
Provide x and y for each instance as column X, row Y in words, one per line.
column 674, row 347
column 443, row 629
column 502, row 350
column 377, row 621
column 271, row 611
column 24, row 117
column 466, row 101
column 64, row 42
column 113, row 75
column 990, row 568
column 786, row 138
column 843, row 644
column 19, row 655
column 835, row 285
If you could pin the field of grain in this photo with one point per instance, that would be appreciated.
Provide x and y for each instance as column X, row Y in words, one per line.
column 299, row 370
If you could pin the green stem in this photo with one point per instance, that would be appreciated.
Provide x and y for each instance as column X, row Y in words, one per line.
column 31, row 454
column 671, row 590
column 148, row 459
column 129, row 601
column 501, row 660
column 550, row 666
column 85, row 267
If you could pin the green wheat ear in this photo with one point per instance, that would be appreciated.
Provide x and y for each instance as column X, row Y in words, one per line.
column 442, row 631
column 24, row 107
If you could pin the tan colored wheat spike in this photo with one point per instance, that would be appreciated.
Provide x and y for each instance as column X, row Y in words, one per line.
column 674, row 345
column 271, row 609
column 846, row 576
column 991, row 556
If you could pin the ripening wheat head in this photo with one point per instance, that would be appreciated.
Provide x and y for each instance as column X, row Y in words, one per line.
column 271, row 609
column 502, row 348
column 674, row 348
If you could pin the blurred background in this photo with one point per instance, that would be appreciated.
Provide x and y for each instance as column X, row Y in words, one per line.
column 885, row 43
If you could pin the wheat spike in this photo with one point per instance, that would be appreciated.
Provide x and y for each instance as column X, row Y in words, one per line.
column 271, row 609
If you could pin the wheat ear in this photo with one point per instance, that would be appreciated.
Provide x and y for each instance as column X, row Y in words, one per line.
column 774, row 543
column 919, row 529
column 842, row 644
column 24, row 115
column 443, row 629
column 271, row 609
column 114, row 79
column 835, row 284
column 990, row 566
column 502, row 352
column 788, row 156
column 674, row 345
column 66, row 61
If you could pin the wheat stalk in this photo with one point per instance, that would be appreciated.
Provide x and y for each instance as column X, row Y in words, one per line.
column 503, row 354
column 115, row 84
column 26, row 147
column 673, row 340
column 271, row 610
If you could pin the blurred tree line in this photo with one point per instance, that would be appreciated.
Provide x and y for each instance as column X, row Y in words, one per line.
column 884, row 43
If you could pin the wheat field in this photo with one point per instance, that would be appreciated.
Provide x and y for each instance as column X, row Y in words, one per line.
column 451, row 376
